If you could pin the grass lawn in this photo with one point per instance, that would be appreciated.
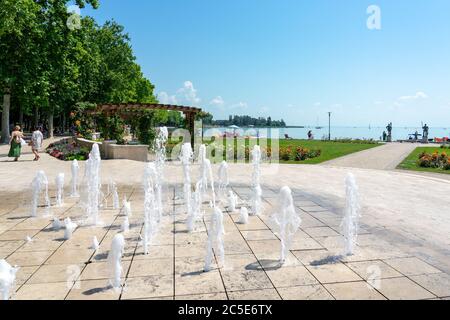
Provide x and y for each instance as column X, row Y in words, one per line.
column 330, row 149
column 410, row 163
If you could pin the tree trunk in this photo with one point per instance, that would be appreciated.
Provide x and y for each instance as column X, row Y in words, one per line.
column 5, row 116
column 50, row 124
column 21, row 118
column 36, row 117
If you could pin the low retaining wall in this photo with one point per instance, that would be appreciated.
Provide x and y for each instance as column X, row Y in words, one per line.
column 112, row 150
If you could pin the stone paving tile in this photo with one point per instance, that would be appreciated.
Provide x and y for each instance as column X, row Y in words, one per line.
column 198, row 283
column 438, row 283
column 255, row 235
column 93, row 290
column 332, row 273
column 321, row 232
column 204, row 297
column 291, row 276
column 403, row 289
column 374, row 270
column 191, row 265
column 26, row 259
column 312, row 292
column 142, row 268
column 56, row 273
column 264, row 294
column 100, row 270
column 17, row 234
column 70, row 256
column 360, row 290
column 155, row 252
column 24, row 273
column 148, row 287
column 174, row 266
column 246, row 280
column 43, row 291
column 305, row 244
column 411, row 266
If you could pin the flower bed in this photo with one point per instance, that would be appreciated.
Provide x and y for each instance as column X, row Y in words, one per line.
column 290, row 153
column 434, row 160
column 67, row 151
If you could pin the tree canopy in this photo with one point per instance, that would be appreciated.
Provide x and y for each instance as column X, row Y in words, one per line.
column 48, row 66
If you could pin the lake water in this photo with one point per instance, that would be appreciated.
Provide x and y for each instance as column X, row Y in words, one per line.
column 398, row 133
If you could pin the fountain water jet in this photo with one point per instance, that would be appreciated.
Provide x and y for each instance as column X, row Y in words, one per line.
column 350, row 223
column 115, row 195
column 75, row 169
column 39, row 184
column 92, row 175
column 196, row 213
column 59, row 181
column 243, row 217
column 150, row 207
column 70, row 228
column 160, row 162
column 232, row 201
column 223, row 179
column 7, row 279
column 203, row 169
column 286, row 221
column 95, row 245
column 186, row 158
column 125, row 227
column 127, row 207
column 256, row 181
column 57, row 225
column 215, row 240
column 115, row 261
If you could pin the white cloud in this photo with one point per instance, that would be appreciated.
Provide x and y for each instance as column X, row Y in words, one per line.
column 185, row 95
column 188, row 93
column 418, row 95
column 239, row 105
column 165, row 98
column 317, row 104
column 217, row 102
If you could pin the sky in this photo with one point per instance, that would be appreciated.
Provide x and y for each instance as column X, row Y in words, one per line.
column 295, row 60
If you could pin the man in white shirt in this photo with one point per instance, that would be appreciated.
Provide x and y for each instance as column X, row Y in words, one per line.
column 36, row 143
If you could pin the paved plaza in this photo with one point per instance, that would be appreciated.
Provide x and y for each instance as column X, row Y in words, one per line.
column 402, row 252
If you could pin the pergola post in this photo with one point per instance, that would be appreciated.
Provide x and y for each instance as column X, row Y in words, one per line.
column 190, row 123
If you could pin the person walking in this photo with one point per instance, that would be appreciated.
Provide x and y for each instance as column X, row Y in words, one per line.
column 36, row 143
column 15, row 143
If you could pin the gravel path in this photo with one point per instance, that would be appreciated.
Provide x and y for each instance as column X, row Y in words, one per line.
column 386, row 157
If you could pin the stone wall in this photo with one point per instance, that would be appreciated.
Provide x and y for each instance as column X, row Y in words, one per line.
column 112, row 150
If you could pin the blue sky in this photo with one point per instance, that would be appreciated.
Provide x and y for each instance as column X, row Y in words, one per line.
column 295, row 59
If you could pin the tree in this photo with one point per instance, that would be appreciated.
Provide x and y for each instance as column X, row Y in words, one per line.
column 18, row 29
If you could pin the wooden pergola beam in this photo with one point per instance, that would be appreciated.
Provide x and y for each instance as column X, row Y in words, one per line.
column 132, row 109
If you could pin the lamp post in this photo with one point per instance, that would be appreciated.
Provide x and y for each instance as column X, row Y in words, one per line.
column 329, row 126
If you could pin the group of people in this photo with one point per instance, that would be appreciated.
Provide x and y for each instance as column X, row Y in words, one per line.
column 17, row 142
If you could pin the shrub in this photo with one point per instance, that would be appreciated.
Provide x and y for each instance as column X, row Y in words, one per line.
column 434, row 160
column 285, row 153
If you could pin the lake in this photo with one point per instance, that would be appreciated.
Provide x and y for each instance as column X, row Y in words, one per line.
column 375, row 133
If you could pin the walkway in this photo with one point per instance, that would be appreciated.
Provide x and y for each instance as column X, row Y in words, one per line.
column 386, row 157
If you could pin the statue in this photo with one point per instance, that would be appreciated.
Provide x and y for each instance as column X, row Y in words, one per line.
column 384, row 136
column 389, row 130
column 426, row 131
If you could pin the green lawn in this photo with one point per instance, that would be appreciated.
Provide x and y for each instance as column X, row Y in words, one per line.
column 330, row 149
column 410, row 163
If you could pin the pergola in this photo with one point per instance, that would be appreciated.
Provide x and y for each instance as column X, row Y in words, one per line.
column 128, row 110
